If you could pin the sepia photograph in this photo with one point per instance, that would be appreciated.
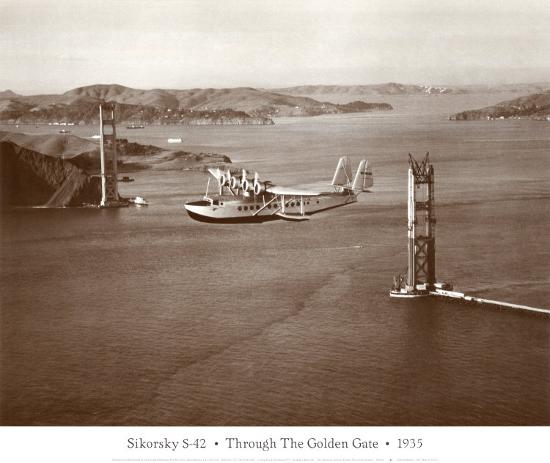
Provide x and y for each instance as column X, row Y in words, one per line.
column 274, row 213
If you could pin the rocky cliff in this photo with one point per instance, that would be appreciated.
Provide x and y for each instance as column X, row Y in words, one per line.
column 32, row 178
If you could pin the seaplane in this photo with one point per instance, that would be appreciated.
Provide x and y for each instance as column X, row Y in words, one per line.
column 239, row 199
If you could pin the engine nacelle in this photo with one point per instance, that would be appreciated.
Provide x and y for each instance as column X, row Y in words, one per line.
column 259, row 188
column 235, row 183
column 245, row 185
column 223, row 180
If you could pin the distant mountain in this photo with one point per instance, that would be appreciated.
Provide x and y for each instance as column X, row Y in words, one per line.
column 396, row 89
column 390, row 88
column 7, row 94
column 521, row 88
column 534, row 106
column 118, row 93
column 236, row 105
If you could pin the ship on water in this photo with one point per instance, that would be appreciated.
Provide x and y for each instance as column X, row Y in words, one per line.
column 240, row 200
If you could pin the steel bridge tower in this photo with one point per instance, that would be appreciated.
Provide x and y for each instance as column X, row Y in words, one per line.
column 419, row 278
column 107, row 148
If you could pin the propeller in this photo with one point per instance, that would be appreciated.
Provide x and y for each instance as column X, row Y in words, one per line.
column 224, row 180
column 259, row 187
column 234, row 183
column 245, row 185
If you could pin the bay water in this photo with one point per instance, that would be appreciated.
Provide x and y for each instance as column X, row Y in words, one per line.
column 142, row 316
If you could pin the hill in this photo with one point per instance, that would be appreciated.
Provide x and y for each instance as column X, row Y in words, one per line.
column 243, row 105
column 6, row 94
column 535, row 106
column 34, row 171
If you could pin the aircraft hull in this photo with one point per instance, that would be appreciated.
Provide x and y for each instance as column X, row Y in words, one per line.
column 259, row 209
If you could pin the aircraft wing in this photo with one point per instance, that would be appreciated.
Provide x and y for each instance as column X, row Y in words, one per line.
column 281, row 190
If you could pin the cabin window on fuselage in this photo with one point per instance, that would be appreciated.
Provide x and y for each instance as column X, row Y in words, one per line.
column 291, row 204
column 245, row 208
column 269, row 206
column 240, row 208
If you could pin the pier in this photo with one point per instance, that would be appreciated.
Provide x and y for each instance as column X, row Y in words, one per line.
column 478, row 300
column 419, row 279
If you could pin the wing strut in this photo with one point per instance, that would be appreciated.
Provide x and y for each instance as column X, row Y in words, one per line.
column 265, row 205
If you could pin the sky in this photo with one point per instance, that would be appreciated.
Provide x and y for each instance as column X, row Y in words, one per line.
column 53, row 46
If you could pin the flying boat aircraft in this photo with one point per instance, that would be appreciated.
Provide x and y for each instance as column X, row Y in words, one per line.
column 242, row 200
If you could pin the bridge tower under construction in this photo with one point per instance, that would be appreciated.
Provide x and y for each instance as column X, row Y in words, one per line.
column 108, row 155
column 419, row 279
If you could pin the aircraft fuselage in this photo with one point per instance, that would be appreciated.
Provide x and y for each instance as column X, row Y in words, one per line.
column 259, row 208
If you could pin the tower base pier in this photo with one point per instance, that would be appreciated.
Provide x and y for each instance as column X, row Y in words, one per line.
column 421, row 290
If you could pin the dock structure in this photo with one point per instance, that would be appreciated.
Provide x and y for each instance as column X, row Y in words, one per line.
column 108, row 149
column 419, row 279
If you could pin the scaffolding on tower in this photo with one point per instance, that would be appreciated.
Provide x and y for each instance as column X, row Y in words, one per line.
column 419, row 278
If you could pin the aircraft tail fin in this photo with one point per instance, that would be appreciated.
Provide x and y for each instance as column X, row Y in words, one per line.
column 363, row 177
column 344, row 179
column 342, row 176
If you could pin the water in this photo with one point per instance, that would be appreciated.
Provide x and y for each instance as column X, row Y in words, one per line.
column 141, row 316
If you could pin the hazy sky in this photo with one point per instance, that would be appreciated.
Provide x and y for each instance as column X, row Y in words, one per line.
column 52, row 46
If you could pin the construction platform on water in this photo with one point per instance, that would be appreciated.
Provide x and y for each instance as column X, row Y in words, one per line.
column 419, row 279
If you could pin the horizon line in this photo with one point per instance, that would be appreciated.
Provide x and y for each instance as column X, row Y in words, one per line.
column 390, row 82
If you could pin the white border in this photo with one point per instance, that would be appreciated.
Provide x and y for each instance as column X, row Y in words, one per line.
column 111, row 444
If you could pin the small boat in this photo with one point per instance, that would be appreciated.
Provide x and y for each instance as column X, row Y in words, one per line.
column 139, row 201
column 175, row 140
column 64, row 131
